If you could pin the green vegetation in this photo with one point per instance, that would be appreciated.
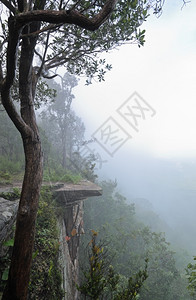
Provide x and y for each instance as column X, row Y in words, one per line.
column 10, row 170
column 45, row 281
column 128, row 241
column 12, row 195
column 62, row 135
column 11, row 152
column 4, row 263
column 101, row 282
column 191, row 275
column 114, row 266
column 60, row 174
column 30, row 49
column 64, row 130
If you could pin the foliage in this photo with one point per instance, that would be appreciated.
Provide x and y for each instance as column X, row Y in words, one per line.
column 12, row 165
column 5, row 262
column 95, row 277
column 78, row 49
column 11, row 152
column 10, row 169
column 129, row 241
column 101, row 281
column 10, row 142
column 191, row 275
column 62, row 133
column 63, row 128
column 52, row 131
column 45, row 273
column 44, row 93
column 59, row 174
column 25, row 26
column 13, row 194
column 45, row 282
column 5, row 178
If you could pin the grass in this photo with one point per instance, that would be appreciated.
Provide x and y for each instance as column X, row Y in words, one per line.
column 61, row 175
column 13, row 171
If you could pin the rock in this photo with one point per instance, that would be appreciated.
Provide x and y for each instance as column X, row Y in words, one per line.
column 8, row 211
column 70, row 199
column 71, row 194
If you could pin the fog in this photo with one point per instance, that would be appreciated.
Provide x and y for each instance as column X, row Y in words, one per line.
column 169, row 185
column 157, row 162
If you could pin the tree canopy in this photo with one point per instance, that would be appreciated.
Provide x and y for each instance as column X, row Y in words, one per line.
column 60, row 43
column 36, row 38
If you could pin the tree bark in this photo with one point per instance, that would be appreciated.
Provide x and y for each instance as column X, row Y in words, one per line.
column 69, row 16
column 19, row 273
column 17, row 286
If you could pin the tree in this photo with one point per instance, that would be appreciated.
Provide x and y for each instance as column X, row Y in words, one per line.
column 67, row 130
column 129, row 241
column 37, row 36
column 191, row 275
column 10, row 142
column 100, row 281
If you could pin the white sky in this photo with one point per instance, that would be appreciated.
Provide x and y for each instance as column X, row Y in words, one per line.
column 163, row 72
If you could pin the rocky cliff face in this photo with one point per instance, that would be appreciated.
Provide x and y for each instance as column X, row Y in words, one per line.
column 70, row 198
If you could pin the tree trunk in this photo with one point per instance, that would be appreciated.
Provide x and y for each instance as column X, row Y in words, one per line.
column 19, row 273
column 17, row 286
column 64, row 154
column 64, row 148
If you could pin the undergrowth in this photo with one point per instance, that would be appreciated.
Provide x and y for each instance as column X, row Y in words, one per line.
column 45, row 281
column 12, row 195
column 10, row 170
column 60, row 174
column 13, row 171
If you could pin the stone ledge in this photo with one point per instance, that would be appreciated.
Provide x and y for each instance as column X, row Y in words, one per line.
column 67, row 194
column 71, row 194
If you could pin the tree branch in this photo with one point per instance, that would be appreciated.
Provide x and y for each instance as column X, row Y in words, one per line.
column 185, row 3
column 50, row 27
column 13, row 41
column 9, row 6
column 50, row 77
column 38, row 54
column 21, row 5
column 44, row 56
column 6, row 84
column 69, row 17
column 60, row 5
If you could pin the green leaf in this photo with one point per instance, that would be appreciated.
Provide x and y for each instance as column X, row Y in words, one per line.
column 5, row 275
column 9, row 243
column 35, row 254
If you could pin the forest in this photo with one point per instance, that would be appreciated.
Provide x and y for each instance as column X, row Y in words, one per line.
column 133, row 259
column 128, row 250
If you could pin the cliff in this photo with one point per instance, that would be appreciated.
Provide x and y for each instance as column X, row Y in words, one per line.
column 71, row 197
column 70, row 222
